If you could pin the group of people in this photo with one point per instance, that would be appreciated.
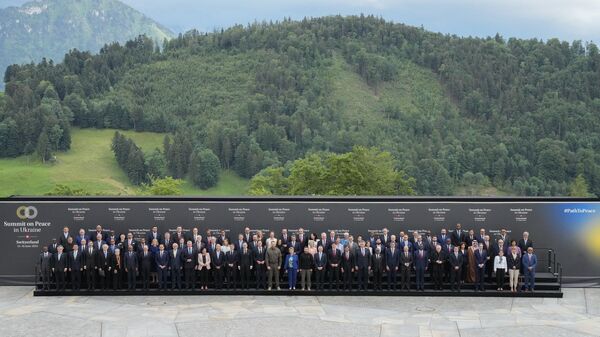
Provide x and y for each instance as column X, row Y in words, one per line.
column 333, row 261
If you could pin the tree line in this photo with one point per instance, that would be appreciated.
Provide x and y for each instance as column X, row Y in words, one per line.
column 521, row 116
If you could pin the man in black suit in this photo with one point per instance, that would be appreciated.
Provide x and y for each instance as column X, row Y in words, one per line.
column 218, row 264
column 363, row 265
column 178, row 235
column 392, row 263
column 320, row 267
column 59, row 267
column 457, row 235
column 525, row 243
column 231, row 260
column 334, row 259
column 131, row 267
column 347, row 267
column 456, row 263
column 222, row 238
column 246, row 262
column 53, row 247
column 89, row 265
column 261, row 267
column 377, row 265
column 75, row 267
column 64, row 237
column 162, row 266
column 146, row 261
column 153, row 235
column 189, row 265
column 406, row 261
column 94, row 236
column 302, row 240
column 175, row 265
column 45, row 267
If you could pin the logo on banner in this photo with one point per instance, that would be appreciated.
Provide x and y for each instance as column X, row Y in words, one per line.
column 27, row 212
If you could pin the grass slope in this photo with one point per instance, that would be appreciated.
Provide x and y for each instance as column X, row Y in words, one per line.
column 90, row 165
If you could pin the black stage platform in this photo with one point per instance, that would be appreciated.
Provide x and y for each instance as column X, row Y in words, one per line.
column 547, row 285
column 253, row 292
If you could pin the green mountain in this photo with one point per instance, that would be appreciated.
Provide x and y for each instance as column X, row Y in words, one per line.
column 50, row 28
column 460, row 115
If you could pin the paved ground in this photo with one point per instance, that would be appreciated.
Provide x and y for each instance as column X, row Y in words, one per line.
column 21, row 314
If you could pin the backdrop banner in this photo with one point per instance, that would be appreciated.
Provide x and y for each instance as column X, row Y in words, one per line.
column 569, row 226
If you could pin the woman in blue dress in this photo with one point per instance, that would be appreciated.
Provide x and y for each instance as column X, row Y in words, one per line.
column 291, row 266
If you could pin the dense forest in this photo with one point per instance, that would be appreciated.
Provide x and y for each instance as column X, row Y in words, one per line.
column 457, row 114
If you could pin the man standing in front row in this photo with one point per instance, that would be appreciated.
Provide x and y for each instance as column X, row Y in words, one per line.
column 529, row 263
column 45, row 267
column 131, row 267
column 162, row 266
column 75, row 267
column 59, row 267
column 456, row 261
column 273, row 261
column 363, row 266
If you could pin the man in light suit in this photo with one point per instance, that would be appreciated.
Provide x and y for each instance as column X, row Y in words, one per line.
column 529, row 262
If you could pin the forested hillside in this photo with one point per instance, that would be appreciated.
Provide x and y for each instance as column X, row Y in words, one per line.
column 50, row 28
column 459, row 115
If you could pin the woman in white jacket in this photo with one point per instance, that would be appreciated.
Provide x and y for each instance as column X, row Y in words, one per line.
column 500, row 269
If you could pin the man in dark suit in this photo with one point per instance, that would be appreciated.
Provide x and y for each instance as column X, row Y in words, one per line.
column 131, row 267
column 385, row 239
column 94, row 236
column 162, row 266
column 45, row 267
column 103, row 264
column 222, row 238
column 529, row 262
column 246, row 263
column 456, row 262
column 480, row 260
column 218, row 264
column 80, row 237
column 261, row 268
column 89, row 265
column 421, row 263
column 231, row 261
column 363, row 265
column 302, row 240
column 334, row 259
column 347, row 267
column 392, row 264
column 239, row 244
column 441, row 239
column 457, row 235
column 146, row 261
column 406, row 261
column 64, row 237
column 153, row 235
column 504, row 237
column 59, row 267
column 178, row 235
column 75, row 267
column 320, row 267
column 189, row 265
column 295, row 243
column 53, row 247
column 175, row 265
column 525, row 243
column 377, row 266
